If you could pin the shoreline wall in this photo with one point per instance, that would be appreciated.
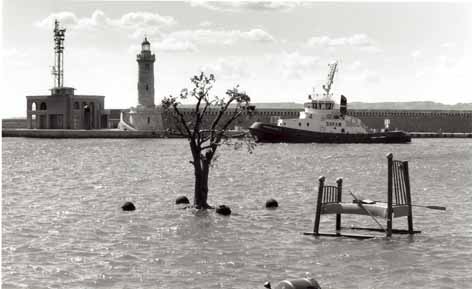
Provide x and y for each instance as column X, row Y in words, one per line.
column 99, row 133
column 115, row 133
column 432, row 121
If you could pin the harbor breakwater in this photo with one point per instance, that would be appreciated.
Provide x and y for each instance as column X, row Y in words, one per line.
column 116, row 133
column 69, row 133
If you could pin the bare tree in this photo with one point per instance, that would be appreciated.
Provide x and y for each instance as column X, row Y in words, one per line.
column 204, row 131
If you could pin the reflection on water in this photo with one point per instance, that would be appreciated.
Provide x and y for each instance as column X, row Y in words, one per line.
column 62, row 225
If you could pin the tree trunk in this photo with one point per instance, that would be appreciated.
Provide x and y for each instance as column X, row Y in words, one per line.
column 202, row 170
column 205, row 172
column 198, row 200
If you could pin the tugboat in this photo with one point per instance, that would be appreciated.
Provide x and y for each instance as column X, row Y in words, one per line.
column 321, row 123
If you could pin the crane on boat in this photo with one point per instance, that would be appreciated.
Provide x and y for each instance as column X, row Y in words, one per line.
column 332, row 71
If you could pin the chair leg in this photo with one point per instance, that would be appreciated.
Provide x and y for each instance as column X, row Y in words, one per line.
column 318, row 205
column 410, row 224
column 339, row 182
column 317, row 222
column 338, row 222
column 389, row 194
column 389, row 225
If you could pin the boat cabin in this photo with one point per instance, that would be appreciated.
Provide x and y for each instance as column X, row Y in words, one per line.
column 320, row 104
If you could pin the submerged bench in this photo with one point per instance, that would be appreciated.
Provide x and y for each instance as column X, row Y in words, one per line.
column 398, row 203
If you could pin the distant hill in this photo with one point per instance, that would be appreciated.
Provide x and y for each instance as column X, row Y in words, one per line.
column 413, row 105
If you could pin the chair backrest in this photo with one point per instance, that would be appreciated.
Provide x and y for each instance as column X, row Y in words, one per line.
column 398, row 182
column 329, row 194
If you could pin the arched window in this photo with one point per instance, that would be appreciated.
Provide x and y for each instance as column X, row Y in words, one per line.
column 43, row 106
column 149, row 120
column 76, row 105
column 147, row 87
column 33, row 106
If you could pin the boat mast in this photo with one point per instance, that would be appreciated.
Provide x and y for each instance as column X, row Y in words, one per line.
column 329, row 81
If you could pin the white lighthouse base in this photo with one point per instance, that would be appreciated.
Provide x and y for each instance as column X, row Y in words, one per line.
column 142, row 118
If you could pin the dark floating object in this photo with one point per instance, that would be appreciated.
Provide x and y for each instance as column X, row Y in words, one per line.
column 223, row 210
column 182, row 200
column 271, row 204
column 302, row 283
column 128, row 206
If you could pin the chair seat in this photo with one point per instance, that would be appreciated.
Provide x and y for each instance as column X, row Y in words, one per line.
column 377, row 209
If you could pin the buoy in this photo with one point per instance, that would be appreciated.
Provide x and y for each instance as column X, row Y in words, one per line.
column 303, row 283
column 128, row 206
column 271, row 204
column 182, row 200
column 223, row 210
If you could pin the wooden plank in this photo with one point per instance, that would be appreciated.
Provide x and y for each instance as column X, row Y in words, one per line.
column 355, row 236
column 394, row 231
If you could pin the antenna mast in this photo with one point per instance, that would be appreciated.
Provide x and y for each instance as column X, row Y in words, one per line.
column 329, row 81
column 58, row 68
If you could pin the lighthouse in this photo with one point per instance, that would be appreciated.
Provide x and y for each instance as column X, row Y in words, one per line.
column 146, row 61
column 146, row 115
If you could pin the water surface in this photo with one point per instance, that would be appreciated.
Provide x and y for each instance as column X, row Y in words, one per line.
column 62, row 226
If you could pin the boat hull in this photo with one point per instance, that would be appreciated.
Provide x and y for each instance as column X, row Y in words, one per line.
column 264, row 132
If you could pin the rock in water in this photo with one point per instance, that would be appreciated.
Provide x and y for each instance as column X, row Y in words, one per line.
column 182, row 200
column 128, row 206
column 223, row 210
column 271, row 204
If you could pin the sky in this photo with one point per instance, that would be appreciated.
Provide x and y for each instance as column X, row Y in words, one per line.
column 275, row 51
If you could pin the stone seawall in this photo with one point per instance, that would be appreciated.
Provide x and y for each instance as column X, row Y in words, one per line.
column 101, row 133
column 440, row 135
column 432, row 121
column 13, row 123
column 116, row 133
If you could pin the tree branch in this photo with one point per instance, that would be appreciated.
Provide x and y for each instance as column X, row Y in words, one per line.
column 182, row 120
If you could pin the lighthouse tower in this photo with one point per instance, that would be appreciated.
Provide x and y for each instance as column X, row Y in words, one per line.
column 146, row 61
column 146, row 115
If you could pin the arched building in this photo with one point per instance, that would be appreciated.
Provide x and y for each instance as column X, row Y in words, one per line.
column 62, row 109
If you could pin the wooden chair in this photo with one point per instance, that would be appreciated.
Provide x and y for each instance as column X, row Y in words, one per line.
column 398, row 204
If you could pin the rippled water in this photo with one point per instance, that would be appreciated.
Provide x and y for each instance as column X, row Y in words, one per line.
column 63, row 226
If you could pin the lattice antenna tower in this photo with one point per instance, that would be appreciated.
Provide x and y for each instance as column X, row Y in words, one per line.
column 58, row 68
column 332, row 71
